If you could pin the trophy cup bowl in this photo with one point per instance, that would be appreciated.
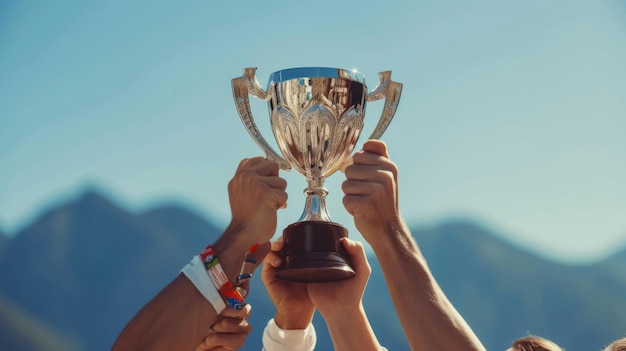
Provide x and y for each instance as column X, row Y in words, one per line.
column 316, row 116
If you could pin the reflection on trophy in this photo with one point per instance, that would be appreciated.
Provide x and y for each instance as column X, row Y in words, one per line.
column 316, row 115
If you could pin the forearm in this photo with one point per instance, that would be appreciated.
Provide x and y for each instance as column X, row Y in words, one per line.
column 429, row 320
column 352, row 331
column 179, row 316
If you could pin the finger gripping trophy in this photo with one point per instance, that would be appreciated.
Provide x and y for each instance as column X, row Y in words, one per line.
column 316, row 115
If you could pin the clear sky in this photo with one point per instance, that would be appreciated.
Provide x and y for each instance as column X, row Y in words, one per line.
column 513, row 112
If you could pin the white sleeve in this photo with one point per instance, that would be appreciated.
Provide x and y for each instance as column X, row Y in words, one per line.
column 276, row 339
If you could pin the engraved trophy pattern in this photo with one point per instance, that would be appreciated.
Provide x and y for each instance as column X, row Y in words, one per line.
column 316, row 115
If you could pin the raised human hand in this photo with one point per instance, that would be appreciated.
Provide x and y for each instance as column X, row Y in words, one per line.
column 341, row 297
column 294, row 309
column 371, row 191
column 256, row 192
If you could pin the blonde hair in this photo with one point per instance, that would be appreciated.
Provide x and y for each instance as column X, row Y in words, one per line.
column 617, row 345
column 535, row 343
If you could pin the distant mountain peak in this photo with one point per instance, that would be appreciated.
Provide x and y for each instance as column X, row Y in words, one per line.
column 458, row 228
column 91, row 249
column 93, row 195
column 180, row 219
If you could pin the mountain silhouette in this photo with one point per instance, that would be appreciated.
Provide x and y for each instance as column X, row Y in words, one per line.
column 22, row 331
column 614, row 264
column 3, row 241
column 79, row 272
column 505, row 293
column 82, row 266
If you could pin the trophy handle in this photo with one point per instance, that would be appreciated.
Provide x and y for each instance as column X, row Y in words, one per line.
column 242, row 86
column 390, row 91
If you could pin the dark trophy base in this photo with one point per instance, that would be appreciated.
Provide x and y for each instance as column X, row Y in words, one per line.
column 313, row 253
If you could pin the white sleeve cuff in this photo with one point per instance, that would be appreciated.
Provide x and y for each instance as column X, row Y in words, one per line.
column 197, row 274
column 276, row 339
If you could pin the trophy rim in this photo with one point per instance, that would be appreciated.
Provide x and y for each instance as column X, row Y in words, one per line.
column 315, row 72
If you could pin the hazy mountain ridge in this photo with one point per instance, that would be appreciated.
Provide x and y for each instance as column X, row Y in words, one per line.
column 22, row 331
column 4, row 240
column 95, row 255
column 87, row 266
column 522, row 293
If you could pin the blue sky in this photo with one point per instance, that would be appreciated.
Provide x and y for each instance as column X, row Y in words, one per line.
column 513, row 112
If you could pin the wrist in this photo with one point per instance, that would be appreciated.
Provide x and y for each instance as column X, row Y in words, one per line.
column 340, row 316
column 395, row 240
column 291, row 320
column 233, row 295
column 352, row 331
column 231, row 249
column 196, row 273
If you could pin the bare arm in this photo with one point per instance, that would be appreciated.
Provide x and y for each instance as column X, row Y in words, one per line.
column 340, row 303
column 352, row 331
column 429, row 320
column 179, row 316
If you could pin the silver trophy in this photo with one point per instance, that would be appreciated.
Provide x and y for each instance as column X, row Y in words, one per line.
column 316, row 114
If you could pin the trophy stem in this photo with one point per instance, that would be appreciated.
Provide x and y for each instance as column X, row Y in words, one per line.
column 313, row 251
column 315, row 205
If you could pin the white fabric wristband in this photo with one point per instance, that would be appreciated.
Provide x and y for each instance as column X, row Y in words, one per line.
column 196, row 272
column 277, row 339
